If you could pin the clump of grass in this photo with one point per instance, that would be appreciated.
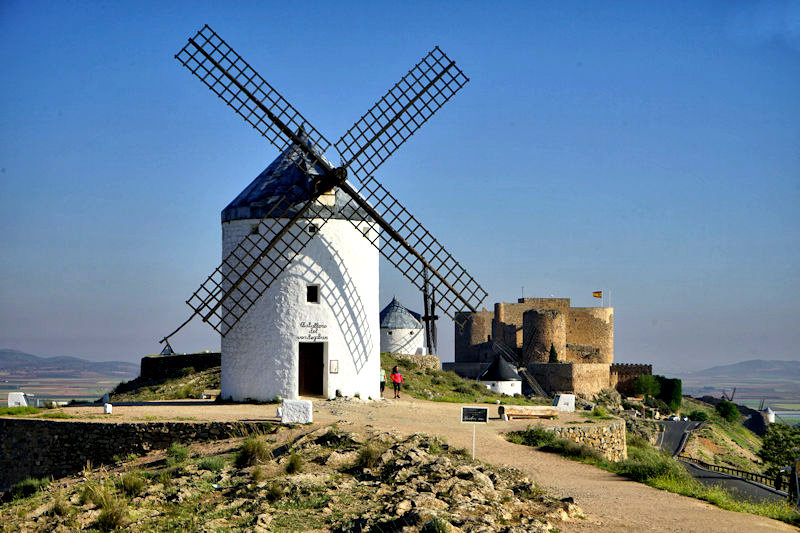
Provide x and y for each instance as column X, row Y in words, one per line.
column 213, row 464
column 257, row 475
column 435, row 525
column 165, row 478
column 176, row 454
column 17, row 411
column 60, row 506
column 599, row 412
column 367, row 456
column 28, row 487
column 294, row 464
column 644, row 463
column 252, row 451
column 434, row 447
column 113, row 513
column 274, row 492
column 132, row 484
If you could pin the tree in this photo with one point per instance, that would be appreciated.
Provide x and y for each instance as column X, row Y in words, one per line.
column 698, row 416
column 671, row 392
column 647, row 385
column 728, row 410
column 781, row 446
column 553, row 354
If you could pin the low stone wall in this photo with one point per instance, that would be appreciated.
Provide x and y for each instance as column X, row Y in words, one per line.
column 170, row 366
column 608, row 437
column 42, row 448
column 427, row 362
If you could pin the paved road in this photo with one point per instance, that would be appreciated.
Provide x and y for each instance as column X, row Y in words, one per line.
column 673, row 433
column 735, row 485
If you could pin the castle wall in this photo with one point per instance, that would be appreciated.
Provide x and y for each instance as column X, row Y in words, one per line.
column 507, row 325
column 584, row 379
column 590, row 335
column 541, row 329
column 476, row 331
column 623, row 375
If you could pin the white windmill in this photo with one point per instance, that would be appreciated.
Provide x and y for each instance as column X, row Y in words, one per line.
column 296, row 296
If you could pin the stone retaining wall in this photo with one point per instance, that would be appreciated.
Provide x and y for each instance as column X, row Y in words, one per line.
column 427, row 362
column 170, row 366
column 43, row 448
column 608, row 437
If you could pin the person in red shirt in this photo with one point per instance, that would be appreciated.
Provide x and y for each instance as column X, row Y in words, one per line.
column 397, row 379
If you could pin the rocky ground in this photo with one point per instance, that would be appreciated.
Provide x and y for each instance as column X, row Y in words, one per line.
column 322, row 479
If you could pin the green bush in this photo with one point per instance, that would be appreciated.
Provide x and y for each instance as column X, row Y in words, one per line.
column 698, row 416
column 113, row 513
column 599, row 411
column 781, row 445
column 535, row 436
column 28, row 487
column 727, row 410
column 572, row 449
column 553, row 356
column 132, row 484
column 252, row 451
column 647, row 385
column 646, row 463
column 670, row 392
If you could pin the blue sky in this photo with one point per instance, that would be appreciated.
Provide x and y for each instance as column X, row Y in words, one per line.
column 649, row 150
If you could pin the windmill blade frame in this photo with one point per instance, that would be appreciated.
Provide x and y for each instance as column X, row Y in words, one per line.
column 242, row 278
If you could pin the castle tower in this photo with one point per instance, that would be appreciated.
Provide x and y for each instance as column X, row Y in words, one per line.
column 540, row 330
column 315, row 331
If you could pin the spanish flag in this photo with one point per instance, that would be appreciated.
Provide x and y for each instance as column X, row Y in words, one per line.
column 597, row 294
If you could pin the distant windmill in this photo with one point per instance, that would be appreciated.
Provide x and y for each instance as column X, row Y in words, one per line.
column 295, row 298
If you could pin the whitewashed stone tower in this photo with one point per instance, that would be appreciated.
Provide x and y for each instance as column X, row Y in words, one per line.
column 315, row 331
column 401, row 330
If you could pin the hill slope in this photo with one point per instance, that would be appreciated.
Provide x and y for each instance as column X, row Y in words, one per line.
column 25, row 364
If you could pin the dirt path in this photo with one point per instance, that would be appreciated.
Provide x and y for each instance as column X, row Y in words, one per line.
column 610, row 502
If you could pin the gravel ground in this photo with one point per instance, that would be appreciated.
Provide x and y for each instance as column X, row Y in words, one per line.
column 611, row 502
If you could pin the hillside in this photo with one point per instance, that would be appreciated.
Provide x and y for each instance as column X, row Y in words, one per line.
column 320, row 480
column 752, row 369
column 21, row 364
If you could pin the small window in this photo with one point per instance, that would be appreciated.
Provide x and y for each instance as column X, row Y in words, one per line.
column 312, row 229
column 312, row 294
column 390, row 333
column 254, row 229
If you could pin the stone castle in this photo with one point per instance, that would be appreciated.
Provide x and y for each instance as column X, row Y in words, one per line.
column 583, row 338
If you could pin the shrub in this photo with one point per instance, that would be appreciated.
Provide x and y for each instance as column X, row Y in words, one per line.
column 698, row 416
column 131, row 484
column 646, row 463
column 165, row 478
column 28, row 487
column 252, row 451
column 727, row 410
column 572, row 449
column 274, row 492
column 187, row 371
column 553, row 357
column 780, row 447
column 176, row 454
column 113, row 513
column 212, row 464
column 599, row 411
column 367, row 456
column 670, row 391
column 535, row 436
column 435, row 525
column 294, row 464
column 647, row 385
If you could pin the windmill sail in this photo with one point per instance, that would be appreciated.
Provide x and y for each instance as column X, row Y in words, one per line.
column 228, row 293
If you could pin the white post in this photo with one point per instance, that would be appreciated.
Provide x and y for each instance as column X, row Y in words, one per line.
column 473, row 440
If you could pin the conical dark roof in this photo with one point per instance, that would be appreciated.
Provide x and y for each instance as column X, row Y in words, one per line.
column 395, row 316
column 283, row 182
column 500, row 370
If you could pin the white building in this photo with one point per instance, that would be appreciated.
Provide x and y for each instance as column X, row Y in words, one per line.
column 501, row 377
column 401, row 330
column 315, row 330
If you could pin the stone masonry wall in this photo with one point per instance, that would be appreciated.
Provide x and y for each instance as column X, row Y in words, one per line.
column 43, row 448
column 624, row 374
column 591, row 327
column 427, row 362
column 476, row 330
column 585, row 379
column 608, row 438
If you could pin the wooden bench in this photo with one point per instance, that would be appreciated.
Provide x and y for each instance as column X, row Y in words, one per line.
column 510, row 412
column 210, row 394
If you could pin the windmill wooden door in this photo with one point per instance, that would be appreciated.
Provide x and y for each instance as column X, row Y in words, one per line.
column 311, row 367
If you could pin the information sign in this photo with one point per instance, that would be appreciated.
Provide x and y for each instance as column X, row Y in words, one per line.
column 475, row 414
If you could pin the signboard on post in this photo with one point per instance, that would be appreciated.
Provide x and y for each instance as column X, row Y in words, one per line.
column 475, row 414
